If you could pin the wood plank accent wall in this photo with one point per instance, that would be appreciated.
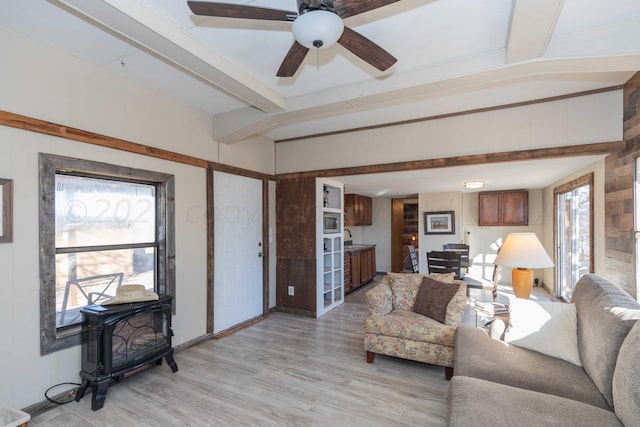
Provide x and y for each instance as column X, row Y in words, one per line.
column 619, row 197
column 296, row 245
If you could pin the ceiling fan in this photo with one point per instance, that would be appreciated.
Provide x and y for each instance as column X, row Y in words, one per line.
column 317, row 24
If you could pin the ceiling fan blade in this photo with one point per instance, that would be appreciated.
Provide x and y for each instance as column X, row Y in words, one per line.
column 227, row 10
column 292, row 60
column 355, row 7
column 365, row 49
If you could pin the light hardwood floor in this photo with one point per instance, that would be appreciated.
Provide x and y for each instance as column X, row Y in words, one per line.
column 283, row 371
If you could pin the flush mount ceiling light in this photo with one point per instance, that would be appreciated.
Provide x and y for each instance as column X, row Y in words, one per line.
column 317, row 28
column 474, row 184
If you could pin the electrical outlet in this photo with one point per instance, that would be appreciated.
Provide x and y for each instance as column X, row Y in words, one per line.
column 291, row 291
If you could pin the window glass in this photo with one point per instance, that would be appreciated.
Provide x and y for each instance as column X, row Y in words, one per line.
column 101, row 227
column 575, row 237
column 574, row 212
column 85, row 278
column 91, row 211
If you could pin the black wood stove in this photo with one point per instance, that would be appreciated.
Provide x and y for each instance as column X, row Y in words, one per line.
column 122, row 340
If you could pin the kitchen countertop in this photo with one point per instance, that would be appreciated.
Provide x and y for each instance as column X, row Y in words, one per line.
column 357, row 247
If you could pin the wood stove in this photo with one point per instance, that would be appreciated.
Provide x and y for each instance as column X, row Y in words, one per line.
column 122, row 340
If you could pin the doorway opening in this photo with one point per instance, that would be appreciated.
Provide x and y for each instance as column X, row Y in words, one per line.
column 404, row 232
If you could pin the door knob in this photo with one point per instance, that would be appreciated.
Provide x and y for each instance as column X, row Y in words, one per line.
column 260, row 254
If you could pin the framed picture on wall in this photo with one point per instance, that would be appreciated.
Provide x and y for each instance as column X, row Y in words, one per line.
column 6, row 210
column 439, row 222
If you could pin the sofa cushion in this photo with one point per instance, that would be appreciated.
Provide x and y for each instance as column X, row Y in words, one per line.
column 433, row 297
column 544, row 326
column 404, row 287
column 474, row 402
column 605, row 316
column 425, row 352
column 626, row 379
column 408, row 325
column 479, row 356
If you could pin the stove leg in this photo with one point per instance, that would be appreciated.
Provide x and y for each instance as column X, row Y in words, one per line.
column 82, row 390
column 100, row 389
column 172, row 363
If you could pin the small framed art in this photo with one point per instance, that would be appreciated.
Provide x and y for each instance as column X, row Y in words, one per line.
column 439, row 222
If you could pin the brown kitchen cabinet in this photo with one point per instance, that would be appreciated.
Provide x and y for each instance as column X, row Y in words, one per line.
column 355, row 270
column 362, row 265
column 357, row 210
column 347, row 272
column 503, row 208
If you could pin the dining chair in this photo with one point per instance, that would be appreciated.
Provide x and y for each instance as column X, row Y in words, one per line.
column 460, row 248
column 444, row 262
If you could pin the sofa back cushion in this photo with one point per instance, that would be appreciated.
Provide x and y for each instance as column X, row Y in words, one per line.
column 547, row 327
column 626, row 380
column 404, row 287
column 434, row 297
column 606, row 314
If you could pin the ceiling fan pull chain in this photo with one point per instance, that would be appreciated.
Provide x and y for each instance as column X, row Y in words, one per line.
column 318, row 60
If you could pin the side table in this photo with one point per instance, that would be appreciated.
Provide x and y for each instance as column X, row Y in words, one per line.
column 485, row 312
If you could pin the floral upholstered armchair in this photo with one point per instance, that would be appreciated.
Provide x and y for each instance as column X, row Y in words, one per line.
column 393, row 328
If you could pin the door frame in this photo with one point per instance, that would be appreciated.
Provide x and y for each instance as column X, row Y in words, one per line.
column 587, row 179
column 217, row 167
column 397, row 230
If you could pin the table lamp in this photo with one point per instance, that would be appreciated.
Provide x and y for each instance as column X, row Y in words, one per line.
column 523, row 251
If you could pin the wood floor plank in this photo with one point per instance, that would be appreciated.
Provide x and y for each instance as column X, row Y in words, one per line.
column 283, row 371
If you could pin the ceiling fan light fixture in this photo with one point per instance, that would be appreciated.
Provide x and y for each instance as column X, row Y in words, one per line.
column 474, row 184
column 317, row 28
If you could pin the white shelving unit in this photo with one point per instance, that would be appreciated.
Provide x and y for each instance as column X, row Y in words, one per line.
column 330, row 245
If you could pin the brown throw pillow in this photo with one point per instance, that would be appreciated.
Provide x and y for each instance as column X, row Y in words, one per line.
column 433, row 297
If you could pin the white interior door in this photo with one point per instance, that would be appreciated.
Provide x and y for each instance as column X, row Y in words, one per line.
column 238, row 250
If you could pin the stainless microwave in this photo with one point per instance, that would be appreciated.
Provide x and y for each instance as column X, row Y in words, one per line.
column 331, row 222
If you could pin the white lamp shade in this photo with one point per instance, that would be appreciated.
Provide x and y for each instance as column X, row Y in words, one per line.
column 317, row 25
column 523, row 250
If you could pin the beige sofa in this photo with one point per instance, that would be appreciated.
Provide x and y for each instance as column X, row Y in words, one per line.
column 497, row 383
column 393, row 329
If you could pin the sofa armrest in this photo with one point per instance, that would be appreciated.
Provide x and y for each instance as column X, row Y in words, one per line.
column 379, row 299
column 457, row 305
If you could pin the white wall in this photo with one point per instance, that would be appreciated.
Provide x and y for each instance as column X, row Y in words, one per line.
column 437, row 202
column 28, row 374
column 46, row 84
column 581, row 120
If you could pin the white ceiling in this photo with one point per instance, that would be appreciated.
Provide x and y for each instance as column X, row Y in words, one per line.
column 453, row 55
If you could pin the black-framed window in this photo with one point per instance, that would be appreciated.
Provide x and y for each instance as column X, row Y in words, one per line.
column 101, row 226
